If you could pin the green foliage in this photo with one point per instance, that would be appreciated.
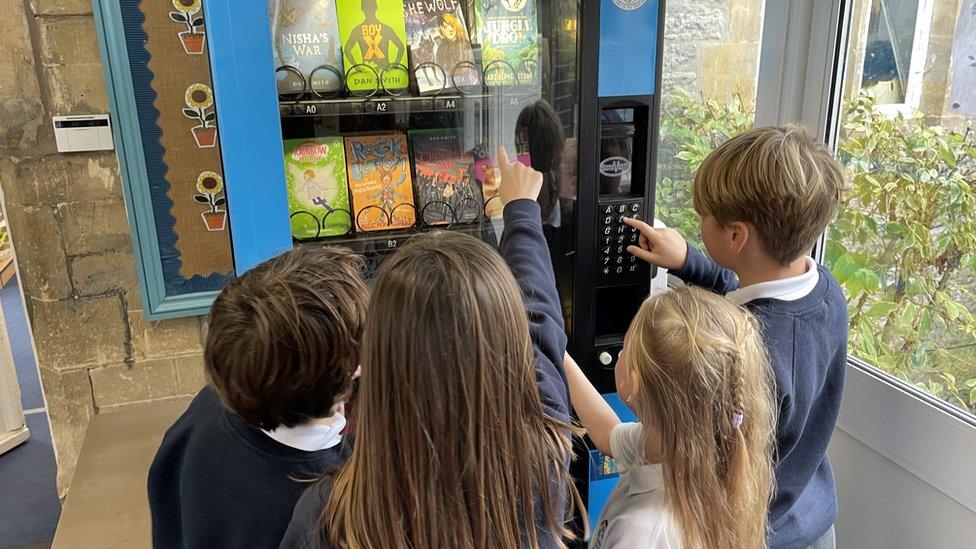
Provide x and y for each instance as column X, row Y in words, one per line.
column 690, row 129
column 903, row 245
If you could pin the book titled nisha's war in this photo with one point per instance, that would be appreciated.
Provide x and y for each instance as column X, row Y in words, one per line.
column 508, row 32
column 379, row 180
column 446, row 192
column 308, row 54
column 318, row 199
column 373, row 45
column 440, row 48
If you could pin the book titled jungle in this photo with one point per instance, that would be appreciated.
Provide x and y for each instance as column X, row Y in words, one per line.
column 508, row 31
column 379, row 181
column 446, row 191
column 306, row 37
column 374, row 44
column 315, row 175
column 440, row 49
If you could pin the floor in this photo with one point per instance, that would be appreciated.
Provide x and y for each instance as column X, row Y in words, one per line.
column 29, row 504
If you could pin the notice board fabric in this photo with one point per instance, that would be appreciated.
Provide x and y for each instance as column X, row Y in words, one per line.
column 170, row 69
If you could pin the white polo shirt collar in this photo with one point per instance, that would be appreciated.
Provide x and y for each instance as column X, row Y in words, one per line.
column 787, row 289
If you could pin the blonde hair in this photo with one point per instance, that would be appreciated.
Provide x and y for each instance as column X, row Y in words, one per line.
column 782, row 180
column 700, row 366
column 453, row 447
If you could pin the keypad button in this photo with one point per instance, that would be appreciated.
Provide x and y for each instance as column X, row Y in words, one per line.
column 606, row 260
column 607, row 240
column 635, row 208
column 633, row 230
column 618, row 270
column 621, row 239
column 620, row 259
column 636, row 217
column 607, row 220
column 621, row 229
column 633, row 239
column 622, row 208
column 606, row 271
column 620, row 220
column 620, row 249
column 631, row 269
column 607, row 230
column 606, row 251
column 608, row 210
column 633, row 259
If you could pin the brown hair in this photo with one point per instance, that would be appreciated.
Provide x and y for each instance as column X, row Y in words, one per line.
column 782, row 180
column 453, row 448
column 284, row 337
column 704, row 379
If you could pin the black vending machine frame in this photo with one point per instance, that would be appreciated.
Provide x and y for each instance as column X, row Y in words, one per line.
column 584, row 344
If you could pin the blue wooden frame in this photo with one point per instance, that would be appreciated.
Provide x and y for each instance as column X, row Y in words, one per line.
column 246, row 98
column 242, row 68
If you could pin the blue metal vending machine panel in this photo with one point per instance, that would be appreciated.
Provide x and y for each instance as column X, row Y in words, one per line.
column 603, row 470
column 628, row 47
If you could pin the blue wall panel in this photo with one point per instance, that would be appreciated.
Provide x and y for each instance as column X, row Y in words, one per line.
column 628, row 47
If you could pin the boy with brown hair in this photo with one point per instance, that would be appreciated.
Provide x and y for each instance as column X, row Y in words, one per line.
column 281, row 351
column 765, row 197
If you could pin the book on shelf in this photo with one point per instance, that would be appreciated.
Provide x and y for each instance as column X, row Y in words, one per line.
column 378, row 169
column 508, row 33
column 440, row 47
column 318, row 198
column 446, row 190
column 373, row 45
column 306, row 38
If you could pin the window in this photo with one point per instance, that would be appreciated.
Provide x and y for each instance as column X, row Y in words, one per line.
column 903, row 245
column 890, row 39
column 709, row 74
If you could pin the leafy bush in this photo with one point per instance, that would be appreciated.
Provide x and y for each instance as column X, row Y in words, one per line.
column 903, row 245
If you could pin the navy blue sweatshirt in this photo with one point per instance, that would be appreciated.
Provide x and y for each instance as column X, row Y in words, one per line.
column 525, row 250
column 217, row 482
column 807, row 343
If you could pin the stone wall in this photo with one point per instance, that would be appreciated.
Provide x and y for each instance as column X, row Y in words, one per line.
column 95, row 350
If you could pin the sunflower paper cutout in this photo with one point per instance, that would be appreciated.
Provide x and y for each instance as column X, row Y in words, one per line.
column 199, row 101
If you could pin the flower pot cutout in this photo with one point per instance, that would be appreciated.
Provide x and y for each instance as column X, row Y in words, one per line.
column 188, row 13
column 199, row 101
column 210, row 185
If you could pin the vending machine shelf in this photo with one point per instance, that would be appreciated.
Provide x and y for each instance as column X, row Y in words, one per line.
column 387, row 105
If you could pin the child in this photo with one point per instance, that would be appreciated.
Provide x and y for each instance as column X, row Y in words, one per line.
column 765, row 198
column 282, row 346
column 463, row 436
column 697, row 471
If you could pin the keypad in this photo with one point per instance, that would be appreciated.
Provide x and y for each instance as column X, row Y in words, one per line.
column 614, row 237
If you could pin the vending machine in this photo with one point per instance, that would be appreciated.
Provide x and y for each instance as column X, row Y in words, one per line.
column 389, row 113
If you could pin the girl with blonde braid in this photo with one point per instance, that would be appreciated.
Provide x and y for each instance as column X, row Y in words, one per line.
column 697, row 471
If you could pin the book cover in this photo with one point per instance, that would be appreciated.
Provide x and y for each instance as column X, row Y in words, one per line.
column 373, row 34
column 508, row 31
column 437, row 33
column 318, row 199
column 379, row 181
column 486, row 174
column 446, row 191
column 306, row 37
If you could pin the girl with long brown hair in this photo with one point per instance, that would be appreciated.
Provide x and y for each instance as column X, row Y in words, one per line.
column 697, row 471
column 463, row 436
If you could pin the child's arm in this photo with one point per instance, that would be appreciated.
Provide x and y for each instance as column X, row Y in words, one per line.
column 667, row 248
column 525, row 250
column 594, row 412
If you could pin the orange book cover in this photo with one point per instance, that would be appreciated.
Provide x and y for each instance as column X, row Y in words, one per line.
column 379, row 181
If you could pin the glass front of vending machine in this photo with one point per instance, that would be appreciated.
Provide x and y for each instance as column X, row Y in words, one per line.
column 387, row 115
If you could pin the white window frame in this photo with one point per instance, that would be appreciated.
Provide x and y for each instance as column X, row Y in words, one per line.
column 801, row 76
column 916, row 67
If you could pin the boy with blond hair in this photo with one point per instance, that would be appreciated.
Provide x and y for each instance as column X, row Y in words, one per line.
column 765, row 197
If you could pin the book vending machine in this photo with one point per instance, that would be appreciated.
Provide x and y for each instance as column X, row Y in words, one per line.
column 390, row 114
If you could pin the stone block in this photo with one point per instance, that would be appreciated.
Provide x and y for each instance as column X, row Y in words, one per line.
column 141, row 381
column 56, row 179
column 69, row 407
column 933, row 100
column 680, row 56
column 77, row 88
column 68, row 40
column 79, row 332
column 687, row 81
column 21, row 111
column 61, row 7
column 163, row 338
column 696, row 21
column 190, row 375
column 95, row 227
column 729, row 69
column 103, row 273
column 745, row 20
column 40, row 253
column 938, row 59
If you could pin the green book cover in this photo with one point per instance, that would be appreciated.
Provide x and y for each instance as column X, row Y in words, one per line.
column 373, row 34
column 508, row 31
column 318, row 198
